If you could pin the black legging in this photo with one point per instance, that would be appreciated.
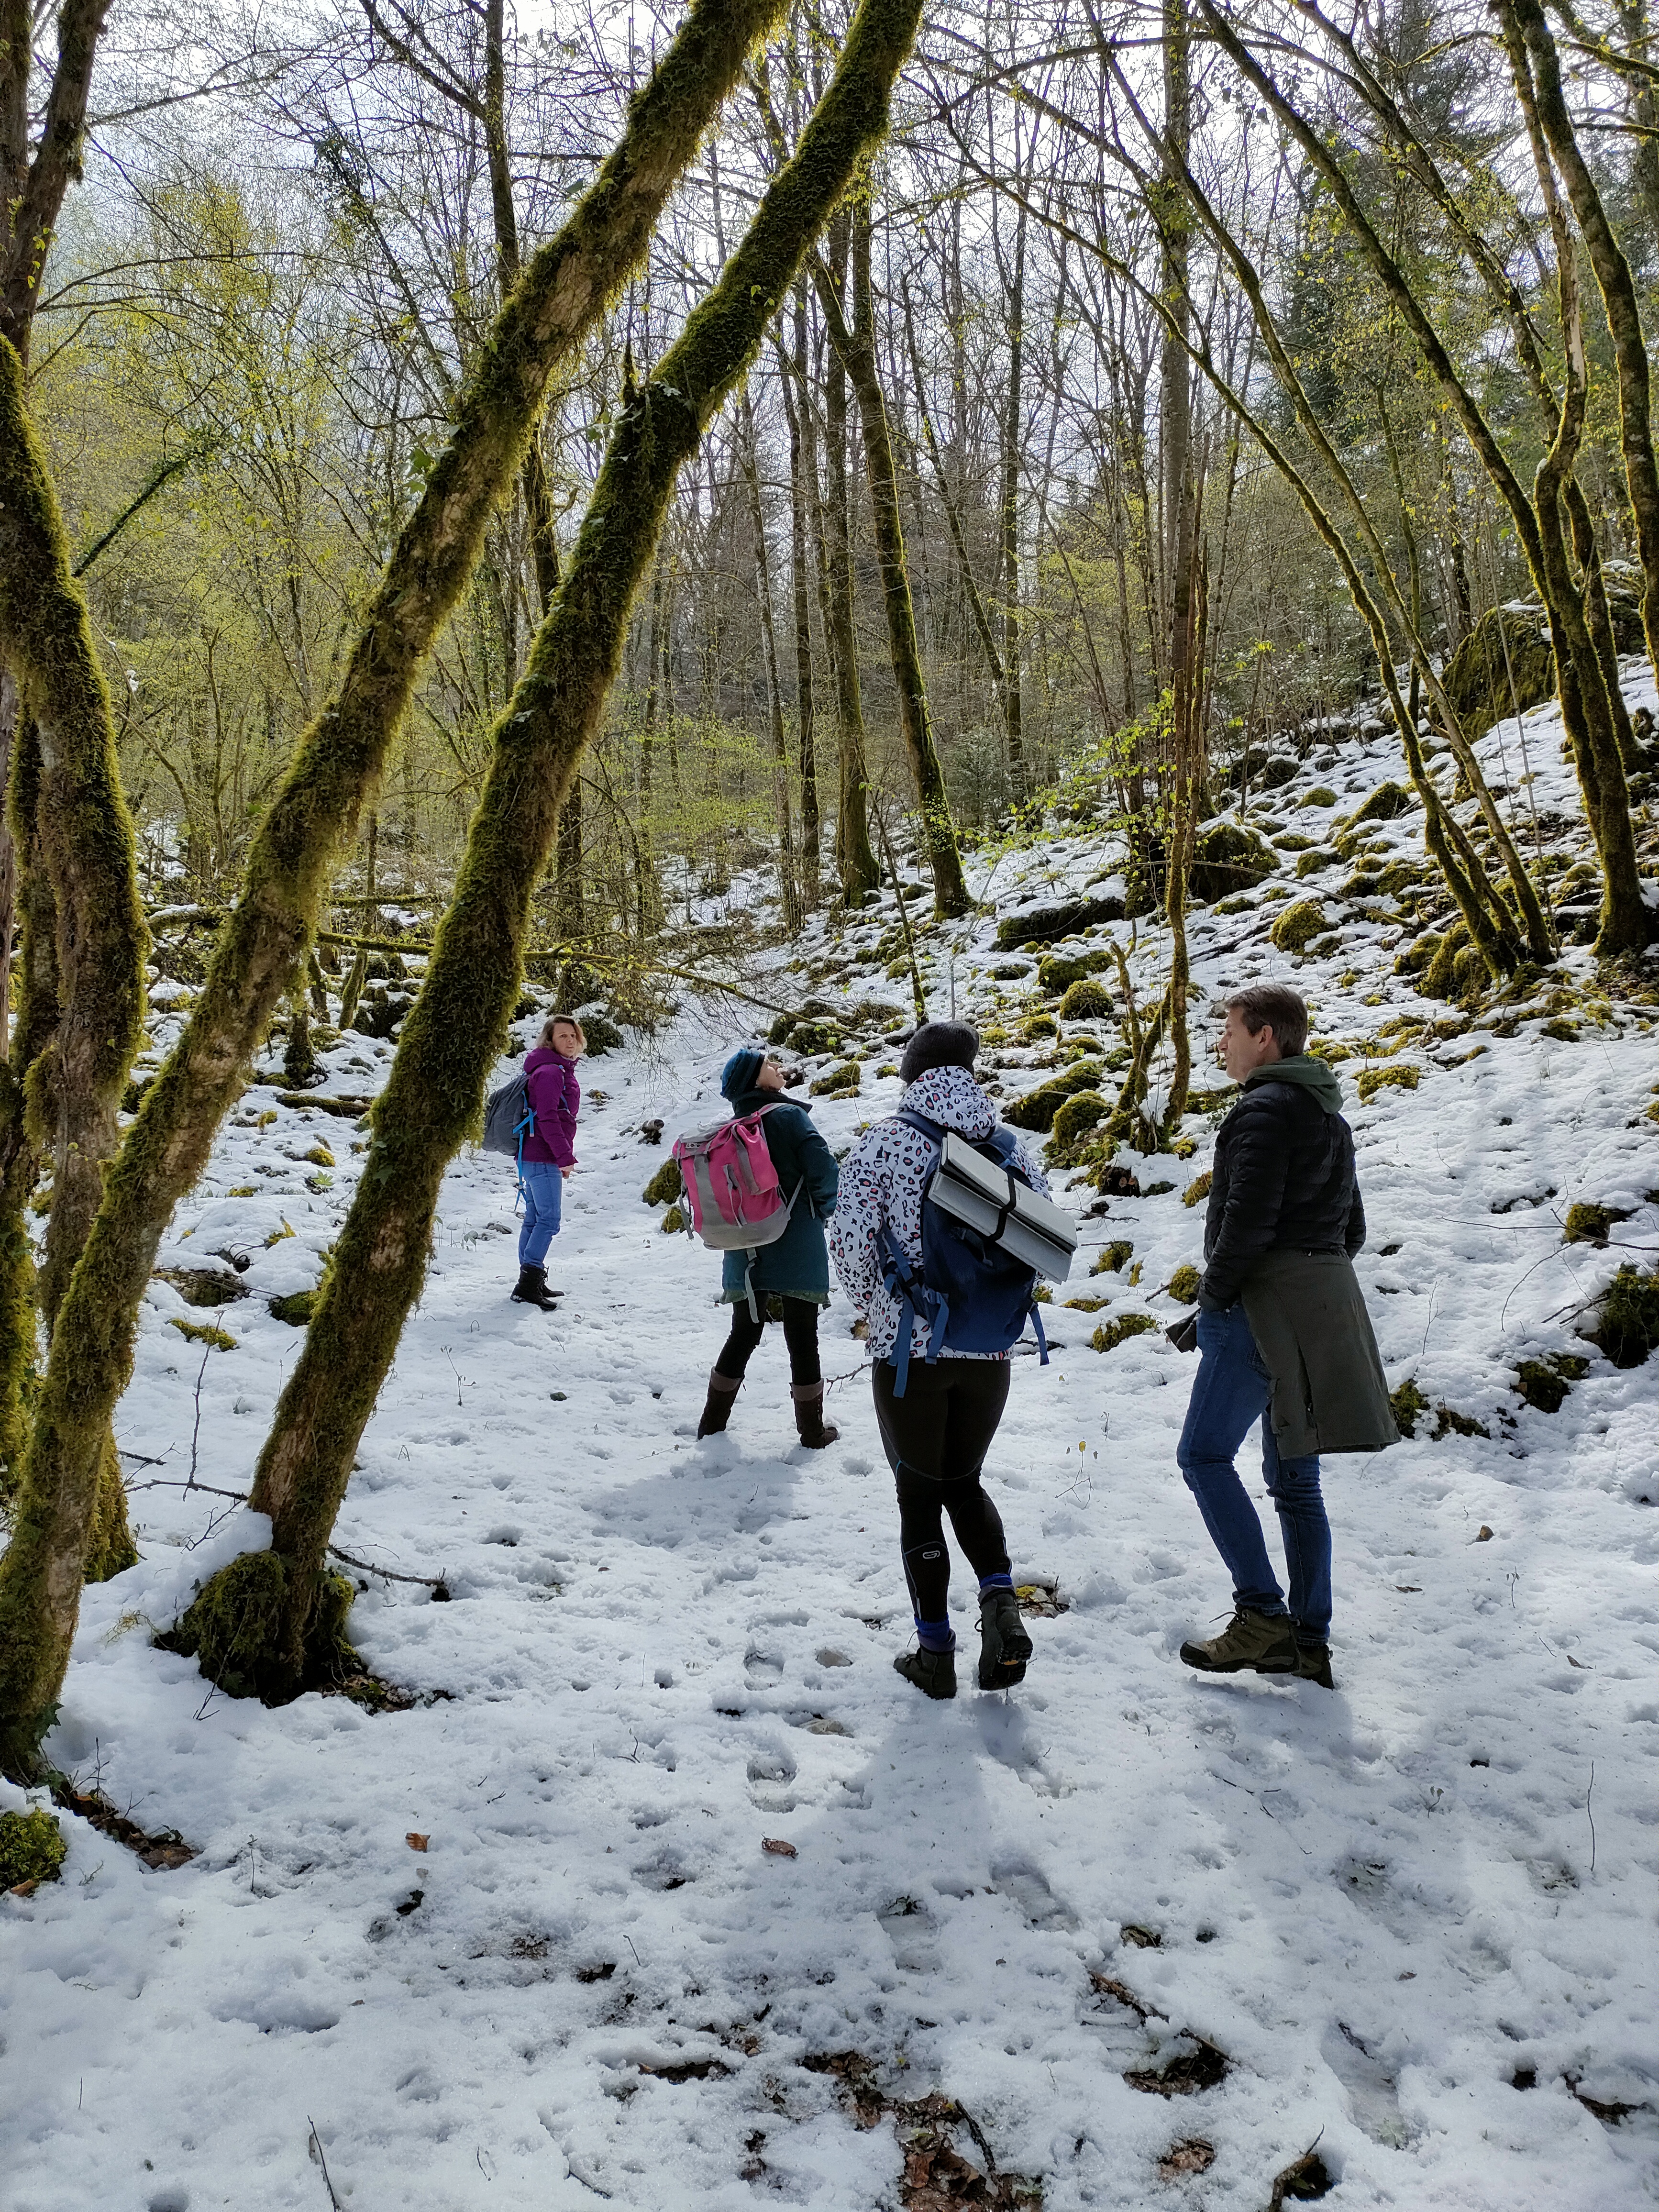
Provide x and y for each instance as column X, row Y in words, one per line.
column 800, row 1334
column 936, row 1437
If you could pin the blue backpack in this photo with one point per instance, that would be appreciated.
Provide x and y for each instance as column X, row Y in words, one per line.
column 973, row 1295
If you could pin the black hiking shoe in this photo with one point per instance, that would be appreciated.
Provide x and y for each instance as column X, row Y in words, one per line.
column 934, row 1672
column 1262, row 1642
column 530, row 1289
column 1313, row 1664
column 1004, row 1646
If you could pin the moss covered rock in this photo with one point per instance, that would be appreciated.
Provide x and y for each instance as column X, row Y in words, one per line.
column 1183, row 1284
column 1086, row 1001
column 1504, row 665
column 1398, row 1076
column 1111, row 1333
column 1199, row 1188
column 1316, row 862
column 839, row 1082
column 1113, row 1258
column 1589, row 1224
column 1075, row 1120
column 666, row 1185
column 1043, row 925
column 234, row 1632
column 1406, row 1404
column 1298, row 926
column 296, row 1309
column 1037, row 1110
column 1627, row 1326
column 31, row 1848
column 1227, row 858
column 1058, row 971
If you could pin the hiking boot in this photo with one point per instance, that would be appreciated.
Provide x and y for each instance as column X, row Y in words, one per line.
column 1313, row 1664
column 717, row 1405
column 530, row 1289
column 933, row 1673
column 1262, row 1641
column 809, row 1415
column 1003, row 1645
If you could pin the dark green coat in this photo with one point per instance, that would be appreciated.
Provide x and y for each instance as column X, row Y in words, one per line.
column 1307, row 1314
column 798, row 1265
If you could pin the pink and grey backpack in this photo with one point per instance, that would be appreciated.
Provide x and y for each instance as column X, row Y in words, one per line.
column 731, row 1185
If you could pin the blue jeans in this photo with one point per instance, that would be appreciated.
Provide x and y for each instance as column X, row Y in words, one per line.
column 1232, row 1386
column 543, row 1184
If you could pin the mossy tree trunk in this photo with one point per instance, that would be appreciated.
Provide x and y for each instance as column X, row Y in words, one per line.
column 788, row 884
column 801, row 456
column 1618, row 289
column 288, row 1610
column 855, row 856
column 83, row 850
column 855, row 346
column 559, row 298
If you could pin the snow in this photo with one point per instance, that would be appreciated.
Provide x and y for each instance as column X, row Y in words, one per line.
column 1386, row 1906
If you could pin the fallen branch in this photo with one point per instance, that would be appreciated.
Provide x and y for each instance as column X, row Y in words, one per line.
column 433, row 1583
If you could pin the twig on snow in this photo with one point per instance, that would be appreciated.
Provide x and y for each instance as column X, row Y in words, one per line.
column 429, row 1581
column 315, row 2147
column 1590, row 1816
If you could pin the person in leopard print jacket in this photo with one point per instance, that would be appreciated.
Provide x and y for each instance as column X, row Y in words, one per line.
column 937, row 1435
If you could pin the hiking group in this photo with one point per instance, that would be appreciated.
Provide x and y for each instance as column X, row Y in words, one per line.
column 940, row 1223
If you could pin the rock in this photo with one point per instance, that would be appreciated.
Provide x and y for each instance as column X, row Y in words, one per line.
column 1627, row 1326
column 1298, row 926
column 1083, row 1111
column 1041, row 924
column 1183, row 1284
column 1085, row 1001
column 1226, row 857
column 1504, row 665
column 1111, row 1333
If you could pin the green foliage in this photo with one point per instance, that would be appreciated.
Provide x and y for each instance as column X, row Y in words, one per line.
column 31, row 1848
column 1037, row 1028
column 666, row 1185
column 1111, row 1333
column 1298, row 926
column 1627, row 1326
column 1589, row 1224
column 603, row 1035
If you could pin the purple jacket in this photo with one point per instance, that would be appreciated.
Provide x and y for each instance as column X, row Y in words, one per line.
column 555, row 1099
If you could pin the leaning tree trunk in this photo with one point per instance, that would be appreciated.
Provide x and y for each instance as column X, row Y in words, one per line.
column 856, row 349
column 798, row 410
column 562, row 295
column 273, row 1619
column 788, row 883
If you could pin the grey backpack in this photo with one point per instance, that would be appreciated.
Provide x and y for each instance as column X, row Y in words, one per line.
column 508, row 1118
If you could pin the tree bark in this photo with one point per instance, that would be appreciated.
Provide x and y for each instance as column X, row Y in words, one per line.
column 273, row 1618
column 799, row 412
column 562, row 294
column 854, row 855
column 786, row 880
column 855, row 346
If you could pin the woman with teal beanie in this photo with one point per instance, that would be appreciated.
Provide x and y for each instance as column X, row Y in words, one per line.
column 796, row 1269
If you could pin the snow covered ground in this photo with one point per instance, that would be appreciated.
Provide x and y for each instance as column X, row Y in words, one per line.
column 1415, row 1916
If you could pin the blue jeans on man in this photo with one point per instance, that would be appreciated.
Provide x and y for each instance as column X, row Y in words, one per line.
column 542, row 1183
column 1232, row 1389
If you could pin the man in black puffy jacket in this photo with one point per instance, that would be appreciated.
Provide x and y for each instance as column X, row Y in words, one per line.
column 1285, row 1219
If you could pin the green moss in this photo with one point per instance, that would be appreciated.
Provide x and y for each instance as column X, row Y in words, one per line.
column 1113, row 1259
column 1227, row 859
column 1398, row 1078
column 1321, row 795
column 237, row 1629
column 840, row 1082
column 813, row 1038
column 1199, row 1188
column 1406, row 1404
column 1086, row 1001
column 603, row 1035
column 1299, row 925
column 203, row 1332
column 1589, row 1224
column 1386, row 803
column 1073, row 1120
column 1314, row 863
column 31, row 1848
column 1037, row 1028
column 1503, row 664
column 1037, row 1110
column 673, row 1221
column 1183, row 1284
column 666, row 1185
column 203, row 1286
column 1545, row 1384
column 297, row 1308
column 1627, row 1326
column 1449, row 1422
column 1111, row 1333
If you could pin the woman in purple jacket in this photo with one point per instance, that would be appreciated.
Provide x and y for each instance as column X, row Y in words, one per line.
column 549, row 1152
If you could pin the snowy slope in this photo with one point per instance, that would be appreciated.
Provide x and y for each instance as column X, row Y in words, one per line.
column 1390, row 1908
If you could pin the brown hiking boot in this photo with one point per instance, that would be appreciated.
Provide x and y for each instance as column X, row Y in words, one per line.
column 1313, row 1664
column 717, row 1407
column 809, row 1415
column 1260, row 1641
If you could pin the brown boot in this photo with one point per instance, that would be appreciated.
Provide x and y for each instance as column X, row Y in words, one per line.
column 717, row 1407
column 809, row 1415
column 1260, row 1643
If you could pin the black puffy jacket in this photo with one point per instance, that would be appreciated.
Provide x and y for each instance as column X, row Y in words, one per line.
column 1283, row 1177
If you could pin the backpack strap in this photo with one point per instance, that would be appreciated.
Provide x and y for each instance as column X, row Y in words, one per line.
column 1043, row 1341
column 914, row 1297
